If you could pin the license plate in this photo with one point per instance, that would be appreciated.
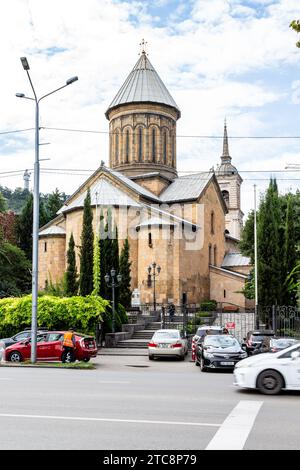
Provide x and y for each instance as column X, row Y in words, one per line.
column 227, row 363
column 91, row 346
column 163, row 345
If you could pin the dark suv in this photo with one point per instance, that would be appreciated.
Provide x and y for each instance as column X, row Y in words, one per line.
column 254, row 340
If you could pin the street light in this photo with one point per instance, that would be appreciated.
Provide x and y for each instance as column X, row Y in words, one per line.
column 36, row 204
column 153, row 272
column 113, row 284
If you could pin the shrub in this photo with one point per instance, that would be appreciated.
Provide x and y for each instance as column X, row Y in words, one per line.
column 209, row 306
column 80, row 313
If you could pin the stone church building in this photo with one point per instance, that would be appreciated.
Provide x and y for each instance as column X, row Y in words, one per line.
column 188, row 225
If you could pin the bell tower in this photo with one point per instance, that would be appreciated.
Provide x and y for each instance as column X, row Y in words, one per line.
column 230, row 182
column 142, row 124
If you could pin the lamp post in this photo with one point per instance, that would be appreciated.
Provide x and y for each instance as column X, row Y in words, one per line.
column 113, row 284
column 36, row 204
column 255, row 263
column 153, row 272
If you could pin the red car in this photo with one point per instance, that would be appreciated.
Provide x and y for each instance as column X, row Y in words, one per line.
column 49, row 348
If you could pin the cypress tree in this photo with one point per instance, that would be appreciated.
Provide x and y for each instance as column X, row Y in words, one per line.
column 108, row 251
column 125, row 268
column 71, row 275
column 290, row 254
column 87, row 249
column 269, row 249
column 96, row 266
column 102, row 256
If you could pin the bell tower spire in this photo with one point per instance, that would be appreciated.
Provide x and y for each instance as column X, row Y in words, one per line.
column 226, row 158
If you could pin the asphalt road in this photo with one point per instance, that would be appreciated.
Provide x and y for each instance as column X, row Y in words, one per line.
column 132, row 403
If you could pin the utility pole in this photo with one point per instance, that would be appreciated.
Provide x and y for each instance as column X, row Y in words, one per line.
column 255, row 263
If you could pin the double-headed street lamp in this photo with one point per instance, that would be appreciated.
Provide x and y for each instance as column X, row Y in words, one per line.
column 153, row 272
column 36, row 204
column 113, row 284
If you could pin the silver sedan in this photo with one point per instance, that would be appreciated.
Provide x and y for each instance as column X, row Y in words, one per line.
column 168, row 343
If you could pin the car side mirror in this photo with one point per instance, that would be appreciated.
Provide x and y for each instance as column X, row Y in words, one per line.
column 295, row 355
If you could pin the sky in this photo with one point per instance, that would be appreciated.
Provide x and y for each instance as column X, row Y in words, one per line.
column 218, row 58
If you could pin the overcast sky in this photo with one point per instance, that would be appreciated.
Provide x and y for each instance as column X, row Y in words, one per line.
column 233, row 58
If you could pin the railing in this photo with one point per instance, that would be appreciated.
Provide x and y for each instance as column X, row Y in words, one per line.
column 283, row 319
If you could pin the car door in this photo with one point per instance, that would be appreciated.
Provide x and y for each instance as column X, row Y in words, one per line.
column 41, row 347
column 53, row 349
column 290, row 368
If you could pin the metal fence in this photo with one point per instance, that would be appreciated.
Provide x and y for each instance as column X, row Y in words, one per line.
column 283, row 319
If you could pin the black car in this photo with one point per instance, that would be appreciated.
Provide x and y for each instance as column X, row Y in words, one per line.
column 23, row 335
column 254, row 340
column 219, row 352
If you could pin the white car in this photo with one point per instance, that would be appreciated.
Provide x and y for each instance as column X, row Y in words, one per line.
column 270, row 372
column 168, row 343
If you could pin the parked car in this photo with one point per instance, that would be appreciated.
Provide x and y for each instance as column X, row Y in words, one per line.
column 50, row 348
column 271, row 372
column 168, row 343
column 219, row 352
column 200, row 334
column 22, row 335
column 254, row 339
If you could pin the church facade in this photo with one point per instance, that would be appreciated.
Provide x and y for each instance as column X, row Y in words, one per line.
column 188, row 225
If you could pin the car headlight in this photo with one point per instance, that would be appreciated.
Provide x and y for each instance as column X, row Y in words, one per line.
column 239, row 365
column 243, row 355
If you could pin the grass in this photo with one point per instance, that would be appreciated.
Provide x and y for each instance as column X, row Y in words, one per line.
column 57, row 365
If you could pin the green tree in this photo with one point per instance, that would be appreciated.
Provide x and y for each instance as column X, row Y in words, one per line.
column 269, row 249
column 290, row 255
column 125, row 271
column 108, row 260
column 24, row 225
column 295, row 25
column 15, row 277
column 54, row 202
column 3, row 204
column 71, row 275
column 96, row 266
column 246, row 244
column 102, row 256
column 86, row 249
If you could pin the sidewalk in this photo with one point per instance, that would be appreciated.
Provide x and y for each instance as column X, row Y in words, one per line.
column 122, row 352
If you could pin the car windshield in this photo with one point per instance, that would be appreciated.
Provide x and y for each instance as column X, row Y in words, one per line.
column 256, row 338
column 282, row 343
column 220, row 341
column 208, row 331
column 166, row 335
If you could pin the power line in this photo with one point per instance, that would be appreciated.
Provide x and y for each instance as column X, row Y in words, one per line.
column 198, row 136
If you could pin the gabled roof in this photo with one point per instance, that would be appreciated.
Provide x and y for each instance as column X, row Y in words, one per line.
column 186, row 188
column 52, row 231
column 143, row 84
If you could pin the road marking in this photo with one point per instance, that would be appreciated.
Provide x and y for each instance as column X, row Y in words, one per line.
column 236, row 428
column 113, row 382
column 110, row 420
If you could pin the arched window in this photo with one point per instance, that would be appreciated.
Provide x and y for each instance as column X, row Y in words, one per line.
column 226, row 197
column 212, row 223
column 153, row 145
column 150, row 239
column 215, row 256
column 209, row 254
column 140, row 144
column 165, row 147
column 117, row 146
column 127, row 146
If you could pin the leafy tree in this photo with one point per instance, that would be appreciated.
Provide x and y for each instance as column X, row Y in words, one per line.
column 246, row 244
column 15, row 277
column 102, row 256
column 108, row 260
column 3, row 204
column 54, row 202
column 269, row 249
column 24, row 225
column 125, row 270
column 295, row 25
column 71, row 276
column 8, row 224
column 96, row 266
column 86, row 250
column 290, row 255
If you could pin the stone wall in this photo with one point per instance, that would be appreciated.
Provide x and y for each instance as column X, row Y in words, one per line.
column 52, row 254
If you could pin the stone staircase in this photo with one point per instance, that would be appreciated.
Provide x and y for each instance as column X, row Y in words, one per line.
column 141, row 338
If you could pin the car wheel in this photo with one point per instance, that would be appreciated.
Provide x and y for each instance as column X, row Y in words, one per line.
column 197, row 363
column 182, row 357
column 15, row 356
column 151, row 358
column 86, row 359
column 67, row 357
column 270, row 382
column 202, row 366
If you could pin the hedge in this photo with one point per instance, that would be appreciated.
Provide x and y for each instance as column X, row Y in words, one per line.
column 80, row 313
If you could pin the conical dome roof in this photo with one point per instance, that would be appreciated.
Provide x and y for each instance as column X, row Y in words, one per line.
column 143, row 84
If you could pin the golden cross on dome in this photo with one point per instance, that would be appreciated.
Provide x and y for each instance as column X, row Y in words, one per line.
column 143, row 46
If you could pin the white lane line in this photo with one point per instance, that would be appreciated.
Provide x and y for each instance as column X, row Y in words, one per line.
column 110, row 420
column 112, row 382
column 236, row 428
